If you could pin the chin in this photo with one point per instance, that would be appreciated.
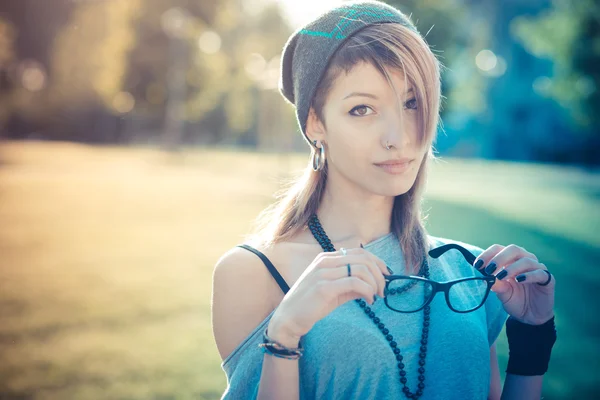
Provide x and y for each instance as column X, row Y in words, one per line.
column 393, row 190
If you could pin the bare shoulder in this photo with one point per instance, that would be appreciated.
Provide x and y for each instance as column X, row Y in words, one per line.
column 244, row 293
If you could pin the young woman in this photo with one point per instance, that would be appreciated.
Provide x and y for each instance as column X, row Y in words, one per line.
column 295, row 310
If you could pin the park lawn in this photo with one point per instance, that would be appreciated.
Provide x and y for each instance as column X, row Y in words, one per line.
column 106, row 258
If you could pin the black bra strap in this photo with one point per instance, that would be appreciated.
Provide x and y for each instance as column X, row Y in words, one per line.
column 278, row 278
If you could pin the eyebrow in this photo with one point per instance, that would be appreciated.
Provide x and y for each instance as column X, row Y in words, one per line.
column 363, row 94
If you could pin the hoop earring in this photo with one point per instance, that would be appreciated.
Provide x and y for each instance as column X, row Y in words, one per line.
column 318, row 158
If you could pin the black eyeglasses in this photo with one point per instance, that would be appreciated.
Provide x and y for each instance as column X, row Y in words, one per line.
column 462, row 295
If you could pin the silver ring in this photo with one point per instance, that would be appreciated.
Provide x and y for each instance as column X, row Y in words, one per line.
column 349, row 270
column 343, row 250
column 549, row 278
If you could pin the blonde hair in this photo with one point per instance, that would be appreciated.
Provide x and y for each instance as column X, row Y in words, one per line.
column 382, row 45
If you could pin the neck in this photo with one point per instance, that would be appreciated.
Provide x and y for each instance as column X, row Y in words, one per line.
column 349, row 215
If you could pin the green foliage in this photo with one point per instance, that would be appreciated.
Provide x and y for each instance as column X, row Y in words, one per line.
column 120, row 54
column 7, row 55
column 7, row 39
column 569, row 35
column 219, row 43
column 89, row 54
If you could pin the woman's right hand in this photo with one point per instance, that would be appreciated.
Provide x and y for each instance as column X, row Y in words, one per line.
column 324, row 286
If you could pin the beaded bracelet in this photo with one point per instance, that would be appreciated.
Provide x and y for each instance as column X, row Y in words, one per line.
column 274, row 348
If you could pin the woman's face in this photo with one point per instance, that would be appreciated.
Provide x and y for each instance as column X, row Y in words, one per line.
column 363, row 113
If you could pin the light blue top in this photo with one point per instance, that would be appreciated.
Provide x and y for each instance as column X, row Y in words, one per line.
column 347, row 357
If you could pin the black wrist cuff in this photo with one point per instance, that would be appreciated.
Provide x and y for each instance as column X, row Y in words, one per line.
column 529, row 347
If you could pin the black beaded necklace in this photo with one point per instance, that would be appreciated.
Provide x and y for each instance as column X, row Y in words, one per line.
column 317, row 230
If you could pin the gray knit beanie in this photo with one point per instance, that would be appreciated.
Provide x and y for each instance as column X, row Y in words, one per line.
column 307, row 52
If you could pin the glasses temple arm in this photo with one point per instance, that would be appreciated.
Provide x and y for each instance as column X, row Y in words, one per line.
column 438, row 251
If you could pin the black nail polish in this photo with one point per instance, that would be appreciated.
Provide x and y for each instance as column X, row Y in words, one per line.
column 361, row 246
column 490, row 268
column 502, row 274
column 521, row 278
column 374, row 298
column 478, row 264
column 389, row 270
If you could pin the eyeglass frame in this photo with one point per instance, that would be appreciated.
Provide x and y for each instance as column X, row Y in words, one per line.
column 444, row 286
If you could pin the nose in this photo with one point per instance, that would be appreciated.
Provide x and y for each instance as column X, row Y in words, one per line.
column 396, row 131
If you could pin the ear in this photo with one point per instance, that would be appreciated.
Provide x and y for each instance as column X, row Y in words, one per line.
column 315, row 129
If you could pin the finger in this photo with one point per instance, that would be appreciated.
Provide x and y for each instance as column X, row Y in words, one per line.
column 535, row 276
column 342, row 250
column 384, row 270
column 336, row 259
column 327, row 255
column 349, row 288
column 511, row 254
column 357, row 252
column 339, row 260
column 484, row 258
column 506, row 256
column 520, row 266
column 359, row 270
column 380, row 263
column 358, row 257
column 376, row 270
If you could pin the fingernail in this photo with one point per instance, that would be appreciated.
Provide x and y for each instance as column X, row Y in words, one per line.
column 490, row 268
column 502, row 274
column 389, row 270
column 374, row 298
column 478, row 264
column 521, row 278
column 361, row 246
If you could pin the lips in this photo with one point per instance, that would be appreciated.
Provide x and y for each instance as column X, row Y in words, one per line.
column 395, row 161
column 395, row 167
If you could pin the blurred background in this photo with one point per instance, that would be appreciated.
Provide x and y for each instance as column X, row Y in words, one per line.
column 139, row 139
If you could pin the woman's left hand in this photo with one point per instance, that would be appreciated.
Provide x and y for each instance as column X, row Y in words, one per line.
column 526, row 301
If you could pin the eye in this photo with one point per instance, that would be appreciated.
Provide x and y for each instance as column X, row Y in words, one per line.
column 360, row 111
column 412, row 104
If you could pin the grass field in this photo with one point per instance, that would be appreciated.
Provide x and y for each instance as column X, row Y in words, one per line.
column 106, row 257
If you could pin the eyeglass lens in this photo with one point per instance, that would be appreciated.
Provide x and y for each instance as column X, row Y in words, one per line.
column 410, row 295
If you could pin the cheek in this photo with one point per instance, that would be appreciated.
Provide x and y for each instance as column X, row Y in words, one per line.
column 355, row 142
column 366, row 131
column 348, row 150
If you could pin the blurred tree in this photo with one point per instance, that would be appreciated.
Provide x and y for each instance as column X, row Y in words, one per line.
column 115, row 63
column 23, row 81
column 7, row 56
column 220, row 39
column 160, row 63
column 7, row 39
column 255, row 47
column 89, row 53
column 569, row 35
column 87, row 67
